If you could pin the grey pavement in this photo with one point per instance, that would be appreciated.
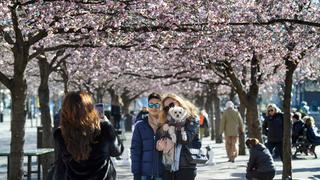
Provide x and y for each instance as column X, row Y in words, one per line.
column 306, row 167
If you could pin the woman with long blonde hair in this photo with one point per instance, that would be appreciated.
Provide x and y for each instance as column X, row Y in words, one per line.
column 181, row 168
column 84, row 142
column 273, row 127
column 171, row 100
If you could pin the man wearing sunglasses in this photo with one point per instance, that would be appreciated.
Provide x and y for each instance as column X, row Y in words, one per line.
column 146, row 160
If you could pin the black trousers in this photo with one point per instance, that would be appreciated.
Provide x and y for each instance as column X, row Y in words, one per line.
column 260, row 175
column 182, row 174
column 273, row 145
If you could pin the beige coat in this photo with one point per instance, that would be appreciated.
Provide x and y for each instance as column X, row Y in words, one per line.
column 231, row 123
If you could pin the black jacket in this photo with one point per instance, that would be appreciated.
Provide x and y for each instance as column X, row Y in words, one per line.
column 260, row 159
column 297, row 128
column 96, row 166
column 273, row 127
column 192, row 128
column 312, row 136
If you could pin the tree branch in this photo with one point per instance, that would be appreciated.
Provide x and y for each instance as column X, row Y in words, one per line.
column 76, row 1
column 54, row 68
column 59, row 47
column 37, row 37
column 5, row 80
column 15, row 23
column 157, row 76
column 54, row 59
column 276, row 21
column 6, row 35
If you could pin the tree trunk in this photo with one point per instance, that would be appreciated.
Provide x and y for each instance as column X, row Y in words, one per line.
column 115, row 108
column 217, row 113
column 99, row 95
column 65, row 76
column 242, row 147
column 18, row 114
column 43, row 92
column 287, row 154
column 232, row 95
column 253, row 123
column 18, row 90
column 199, row 102
column 209, row 110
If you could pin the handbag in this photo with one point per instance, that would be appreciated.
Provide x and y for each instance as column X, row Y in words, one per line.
column 195, row 156
column 111, row 171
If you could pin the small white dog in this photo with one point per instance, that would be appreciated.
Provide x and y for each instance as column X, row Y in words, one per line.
column 210, row 156
column 179, row 116
column 176, row 117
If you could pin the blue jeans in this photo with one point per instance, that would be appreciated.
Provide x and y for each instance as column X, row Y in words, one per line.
column 150, row 178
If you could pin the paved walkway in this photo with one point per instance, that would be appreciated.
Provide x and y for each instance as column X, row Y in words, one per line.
column 304, row 168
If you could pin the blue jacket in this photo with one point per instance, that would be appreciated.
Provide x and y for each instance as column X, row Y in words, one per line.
column 146, row 160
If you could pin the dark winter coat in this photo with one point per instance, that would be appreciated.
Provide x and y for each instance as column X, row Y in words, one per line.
column 192, row 128
column 97, row 164
column 297, row 128
column 312, row 137
column 273, row 128
column 260, row 159
column 146, row 160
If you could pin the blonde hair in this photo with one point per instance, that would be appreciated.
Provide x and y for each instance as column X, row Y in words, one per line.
column 274, row 106
column 309, row 121
column 191, row 109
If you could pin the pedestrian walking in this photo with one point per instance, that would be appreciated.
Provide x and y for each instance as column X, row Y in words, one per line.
column 181, row 168
column 261, row 165
column 84, row 142
column 231, row 125
column 146, row 160
column 273, row 127
column 204, row 124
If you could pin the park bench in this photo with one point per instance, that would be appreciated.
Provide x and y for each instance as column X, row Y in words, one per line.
column 38, row 153
column 303, row 145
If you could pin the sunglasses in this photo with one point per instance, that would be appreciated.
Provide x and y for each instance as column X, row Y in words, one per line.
column 156, row 105
column 270, row 110
column 166, row 108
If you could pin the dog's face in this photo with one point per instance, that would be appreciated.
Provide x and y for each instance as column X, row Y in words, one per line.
column 178, row 114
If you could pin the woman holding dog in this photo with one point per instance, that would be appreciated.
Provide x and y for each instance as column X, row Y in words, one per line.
column 181, row 169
